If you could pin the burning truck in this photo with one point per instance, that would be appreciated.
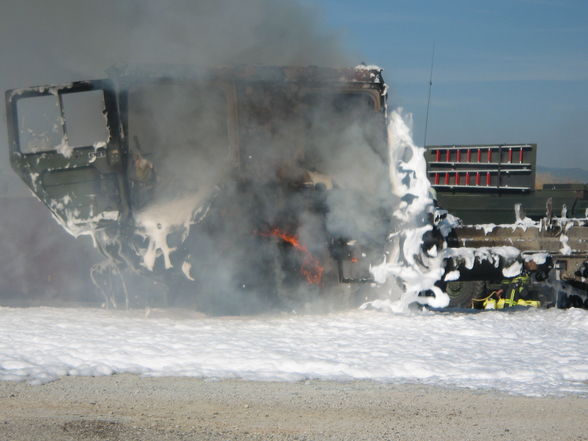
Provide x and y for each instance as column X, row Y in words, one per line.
column 247, row 188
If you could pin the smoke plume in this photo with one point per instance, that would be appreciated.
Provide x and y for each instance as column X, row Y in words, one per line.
column 310, row 165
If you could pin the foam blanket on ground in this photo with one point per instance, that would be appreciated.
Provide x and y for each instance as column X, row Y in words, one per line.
column 535, row 352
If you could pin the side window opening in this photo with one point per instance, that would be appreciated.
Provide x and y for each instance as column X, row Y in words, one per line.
column 85, row 119
column 45, row 126
column 39, row 124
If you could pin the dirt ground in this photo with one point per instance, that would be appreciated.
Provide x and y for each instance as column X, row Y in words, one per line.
column 128, row 407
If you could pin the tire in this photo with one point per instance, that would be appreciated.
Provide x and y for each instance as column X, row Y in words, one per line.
column 462, row 293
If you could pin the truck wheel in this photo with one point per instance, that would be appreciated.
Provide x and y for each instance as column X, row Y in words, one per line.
column 461, row 293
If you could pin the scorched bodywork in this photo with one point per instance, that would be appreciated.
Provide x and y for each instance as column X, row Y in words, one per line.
column 216, row 182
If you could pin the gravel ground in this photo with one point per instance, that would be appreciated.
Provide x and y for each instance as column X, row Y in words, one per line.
column 127, row 407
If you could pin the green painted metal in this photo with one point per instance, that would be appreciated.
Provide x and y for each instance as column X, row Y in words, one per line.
column 481, row 187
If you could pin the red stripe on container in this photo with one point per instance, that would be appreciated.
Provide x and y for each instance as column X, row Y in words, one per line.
column 487, row 178
column 436, row 178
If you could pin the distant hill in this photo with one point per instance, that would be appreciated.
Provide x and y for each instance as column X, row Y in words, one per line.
column 555, row 175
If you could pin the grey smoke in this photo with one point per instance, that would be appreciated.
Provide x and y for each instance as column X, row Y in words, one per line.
column 285, row 134
column 56, row 42
column 44, row 42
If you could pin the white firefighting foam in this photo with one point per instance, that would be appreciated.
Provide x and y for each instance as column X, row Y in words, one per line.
column 408, row 170
column 73, row 222
column 533, row 352
column 414, row 270
column 156, row 222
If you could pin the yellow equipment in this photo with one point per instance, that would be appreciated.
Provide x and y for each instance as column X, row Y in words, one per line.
column 513, row 291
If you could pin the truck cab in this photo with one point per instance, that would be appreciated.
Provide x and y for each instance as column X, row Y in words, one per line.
column 262, row 179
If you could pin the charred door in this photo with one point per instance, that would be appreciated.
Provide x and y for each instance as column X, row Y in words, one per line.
column 65, row 144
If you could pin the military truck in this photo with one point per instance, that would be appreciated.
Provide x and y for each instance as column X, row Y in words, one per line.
column 268, row 181
column 492, row 189
column 481, row 183
column 242, row 189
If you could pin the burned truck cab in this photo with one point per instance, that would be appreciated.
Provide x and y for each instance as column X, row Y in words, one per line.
column 258, row 179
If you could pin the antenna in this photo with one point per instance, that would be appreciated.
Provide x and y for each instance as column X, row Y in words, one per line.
column 429, row 98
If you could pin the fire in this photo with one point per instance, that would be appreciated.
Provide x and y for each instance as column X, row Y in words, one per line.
column 311, row 268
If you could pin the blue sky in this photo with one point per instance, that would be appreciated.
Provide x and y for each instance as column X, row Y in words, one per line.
column 505, row 71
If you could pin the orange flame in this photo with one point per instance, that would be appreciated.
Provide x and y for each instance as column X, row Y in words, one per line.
column 311, row 268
